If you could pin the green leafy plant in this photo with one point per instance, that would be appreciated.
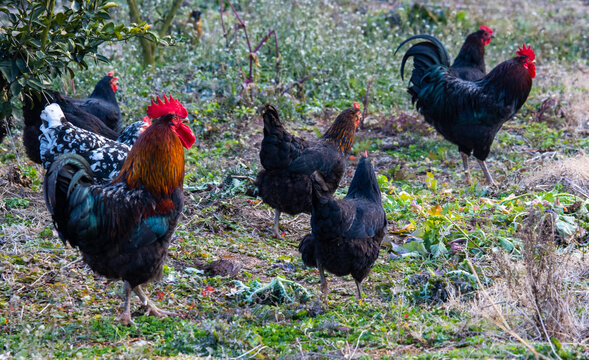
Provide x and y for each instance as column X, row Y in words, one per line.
column 40, row 42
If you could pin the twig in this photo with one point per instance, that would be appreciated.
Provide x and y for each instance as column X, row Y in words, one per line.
column 222, row 22
column 301, row 80
column 252, row 52
column 257, row 349
column 357, row 344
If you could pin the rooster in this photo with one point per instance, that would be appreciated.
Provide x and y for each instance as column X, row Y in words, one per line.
column 346, row 234
column 123, row 229
column 469, row 64
column 105, row 156
column 288, row 161
column 470, row 113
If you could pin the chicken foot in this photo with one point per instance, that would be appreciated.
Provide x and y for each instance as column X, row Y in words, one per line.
column 465, row 165
column 125, row 317
column 488, row 176
column 151, row 308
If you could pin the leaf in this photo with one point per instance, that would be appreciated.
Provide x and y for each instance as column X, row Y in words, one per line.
column 407, row 229
column 566, row 226
column 439, row 249
column 506, row 244
column 416, row 245
column 435, row 210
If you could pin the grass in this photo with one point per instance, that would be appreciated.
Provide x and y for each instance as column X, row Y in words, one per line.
column 422, row 299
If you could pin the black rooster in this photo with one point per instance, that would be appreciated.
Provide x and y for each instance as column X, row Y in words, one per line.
column 346, row 234
column 469, row 113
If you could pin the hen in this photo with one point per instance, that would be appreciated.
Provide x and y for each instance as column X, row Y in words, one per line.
column 123, row 229
column 102, row 103
column 469, row 64
column 105, row 156
column 470, row 113
column 345, row 234
column 82, row 113
column 288, row 161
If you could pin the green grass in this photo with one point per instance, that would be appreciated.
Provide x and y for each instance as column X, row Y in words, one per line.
column 422, row 300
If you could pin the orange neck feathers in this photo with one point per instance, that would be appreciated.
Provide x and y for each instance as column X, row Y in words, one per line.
column 342, row 131
column 156, row 160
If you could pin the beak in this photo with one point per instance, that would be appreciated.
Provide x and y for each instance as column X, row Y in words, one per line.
column 534, row 61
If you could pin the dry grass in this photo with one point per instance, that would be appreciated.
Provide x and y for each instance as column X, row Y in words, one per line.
column 571, row 172
column 540, row 293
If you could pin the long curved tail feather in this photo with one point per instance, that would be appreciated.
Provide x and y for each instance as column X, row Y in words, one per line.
column 66, row 173
column 425, row 55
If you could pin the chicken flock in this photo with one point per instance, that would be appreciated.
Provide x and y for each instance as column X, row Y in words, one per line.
column 117, row 194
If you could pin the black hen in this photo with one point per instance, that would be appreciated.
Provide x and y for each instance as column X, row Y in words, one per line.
column 102, row 103
column 346, row 234
column 284, row 183
column 469, row 113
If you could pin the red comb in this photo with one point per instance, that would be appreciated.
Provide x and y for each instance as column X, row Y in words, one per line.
column 487, row 29
column 365, row 153
column 171, row 106
column 356, row 105
column 526, row 51
column 111, row 73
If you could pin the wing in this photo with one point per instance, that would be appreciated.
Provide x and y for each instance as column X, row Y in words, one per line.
column 369, row 220
column 447, row 99
column 106, row 111
column 320, row 156
column 331, row 218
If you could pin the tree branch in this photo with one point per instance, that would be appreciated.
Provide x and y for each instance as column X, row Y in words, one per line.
column 169, row 17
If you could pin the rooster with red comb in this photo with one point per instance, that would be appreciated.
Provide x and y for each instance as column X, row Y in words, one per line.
column 123, row 229
column 470, row 113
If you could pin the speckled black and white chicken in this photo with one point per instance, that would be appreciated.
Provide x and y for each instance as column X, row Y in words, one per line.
column 105, row 156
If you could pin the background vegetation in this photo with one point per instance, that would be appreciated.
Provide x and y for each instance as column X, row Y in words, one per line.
column 466, row 272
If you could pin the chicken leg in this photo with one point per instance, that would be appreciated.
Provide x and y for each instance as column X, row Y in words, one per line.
column 324, row 290
column 275, row 228
column 359, row 289
column 151, row 308
column 465, row 165
column 125, row 317
column 483, row 165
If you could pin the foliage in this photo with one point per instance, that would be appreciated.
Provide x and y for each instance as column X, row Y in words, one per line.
column 148, row 46
column 40, row 42
column 248, row 81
